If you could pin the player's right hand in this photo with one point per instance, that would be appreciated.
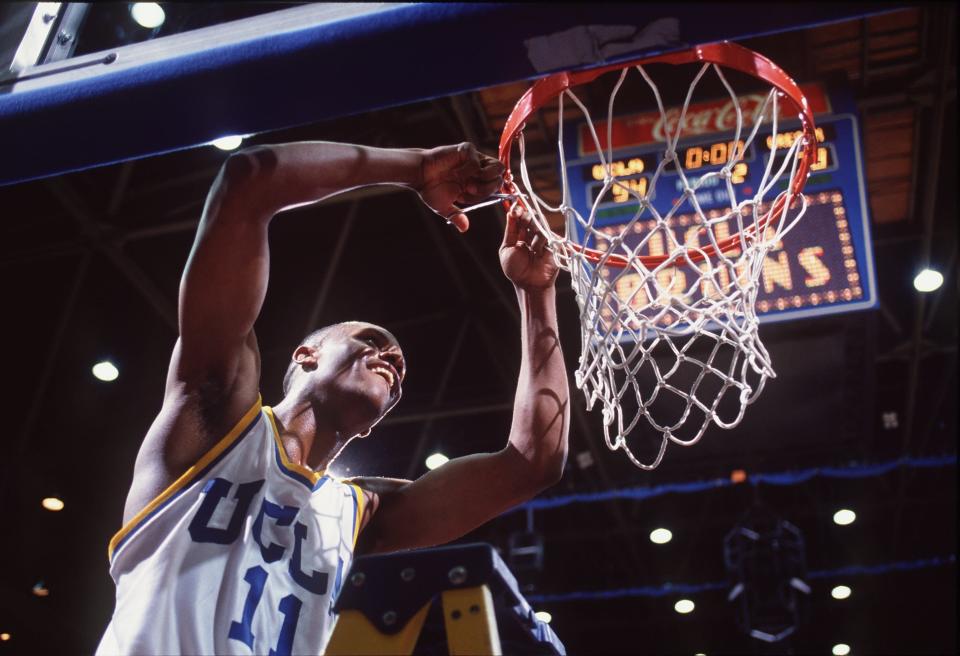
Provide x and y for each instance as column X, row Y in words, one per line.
column 457, row 174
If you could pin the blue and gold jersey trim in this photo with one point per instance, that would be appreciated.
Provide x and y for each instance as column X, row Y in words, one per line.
column 192, row 475
column 358, row 502
column 313, row 480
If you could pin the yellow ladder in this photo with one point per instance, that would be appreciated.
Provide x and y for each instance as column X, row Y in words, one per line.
column 385, row 601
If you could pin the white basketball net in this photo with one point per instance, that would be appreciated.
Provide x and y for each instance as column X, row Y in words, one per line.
column 669, row 342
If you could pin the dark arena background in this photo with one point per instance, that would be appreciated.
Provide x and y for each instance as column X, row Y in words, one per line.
column 104, row 175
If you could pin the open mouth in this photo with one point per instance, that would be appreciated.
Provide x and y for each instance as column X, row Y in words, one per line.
column 386, row 373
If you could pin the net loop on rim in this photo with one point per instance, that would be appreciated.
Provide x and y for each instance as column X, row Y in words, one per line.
column 669, row 330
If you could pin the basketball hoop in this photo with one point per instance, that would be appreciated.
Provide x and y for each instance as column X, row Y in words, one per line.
column 669, row 336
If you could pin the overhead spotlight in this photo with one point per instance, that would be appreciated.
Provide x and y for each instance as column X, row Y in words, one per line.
column 4, row 636
column 844, row 517
column 53, row 504
column 435, row 460
column 928, row 280
column 543, row 616
column 841, row 649
column 684, row 606
column 840, row 592
column 231, row 142
column 584, row 459
column 148, row 14
column 660, row 535
column 890, row 420
column 105, row 371
column 39, row 590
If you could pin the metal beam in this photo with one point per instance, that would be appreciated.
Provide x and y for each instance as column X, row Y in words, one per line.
column 56, row 249
column 616, row 509
column 464, row 411
column 453, row 270
column 120, row 188
column 442, row 384
column 157, row 231
column 945, row 17
column 332, row 267
column 92, row 231
column 939, row 294
column 53, row 355
column 509, row 304
column 934, row 148
column 162, row 186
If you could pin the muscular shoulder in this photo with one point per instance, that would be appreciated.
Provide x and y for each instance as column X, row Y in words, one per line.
column 192, row 419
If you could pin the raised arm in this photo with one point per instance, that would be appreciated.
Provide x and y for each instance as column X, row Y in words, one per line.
column 214, row 371
column 462, row 494
column 225, row 279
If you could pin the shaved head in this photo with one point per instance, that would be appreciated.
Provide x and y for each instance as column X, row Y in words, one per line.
column 316, row 338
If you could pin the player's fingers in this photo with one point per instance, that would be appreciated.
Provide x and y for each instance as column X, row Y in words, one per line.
column 491, row 168
column 525, row 220
column 469, row 157
column 511, row 232
column 466, row 151
column 459, row 221
column 536, row 243
column 533, row 238
column 488, row 188
column 496, row 182
column 474, row 199
column 543, row 246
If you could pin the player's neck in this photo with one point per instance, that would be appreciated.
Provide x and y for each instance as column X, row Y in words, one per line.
column 307, row 437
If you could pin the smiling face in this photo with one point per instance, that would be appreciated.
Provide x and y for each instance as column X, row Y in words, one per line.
column 352, row 372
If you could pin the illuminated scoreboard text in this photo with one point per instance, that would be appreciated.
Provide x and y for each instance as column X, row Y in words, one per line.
column 824, row 265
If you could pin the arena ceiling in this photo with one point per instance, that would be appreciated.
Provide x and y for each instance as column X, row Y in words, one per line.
column 92, row 261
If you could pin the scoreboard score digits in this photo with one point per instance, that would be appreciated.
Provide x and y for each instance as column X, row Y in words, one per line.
column 823, row 266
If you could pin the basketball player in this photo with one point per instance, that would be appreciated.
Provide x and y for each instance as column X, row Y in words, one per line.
column 235, row 541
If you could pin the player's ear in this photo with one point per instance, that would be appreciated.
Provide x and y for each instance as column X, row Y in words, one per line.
column 305, row 356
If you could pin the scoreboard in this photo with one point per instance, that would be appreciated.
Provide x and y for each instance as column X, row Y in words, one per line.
column 824, row 265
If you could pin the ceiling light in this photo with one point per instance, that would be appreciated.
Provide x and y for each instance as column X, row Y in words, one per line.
column 841, row 649
column 105, row 371
column 890, row 420
column 661, row 536
column 435, row 460
column 683, row 606
column 928, row 280
column 53, row 504
column 40, row 591
column 844, row 517
column 4, row 636
column 840, row 592
column 147, row 14
column 231, row 142
column 543, row 616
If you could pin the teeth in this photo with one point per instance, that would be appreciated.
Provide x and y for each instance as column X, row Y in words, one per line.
column 386, row 373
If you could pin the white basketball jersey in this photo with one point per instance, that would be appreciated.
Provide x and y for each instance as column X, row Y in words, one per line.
column 244, row 554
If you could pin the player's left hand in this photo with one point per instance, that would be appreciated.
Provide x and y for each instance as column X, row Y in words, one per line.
column 458, row 174
column 524, row 255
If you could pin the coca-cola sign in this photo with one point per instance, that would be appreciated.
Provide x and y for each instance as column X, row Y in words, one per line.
column 700, row 119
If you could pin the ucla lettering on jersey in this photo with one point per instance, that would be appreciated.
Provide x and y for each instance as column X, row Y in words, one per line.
column 243, row 554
